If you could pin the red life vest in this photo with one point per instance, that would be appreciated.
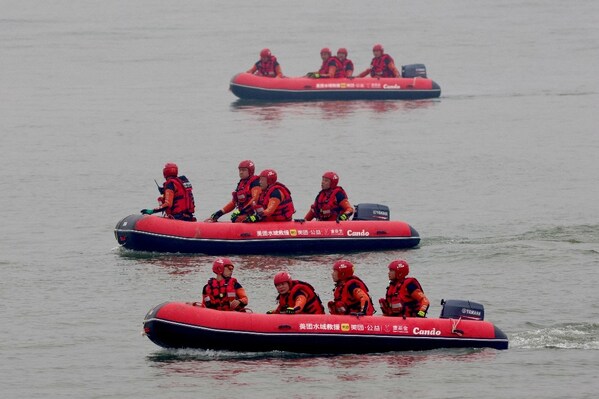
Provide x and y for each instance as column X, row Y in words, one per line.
column 313, row 303
column 183, row 201
column 346, row 65
column 284, row 211
column 324, row 69
column 379, row 67
column 219, row 294
column 397, row 293
column 342, row 294
column 325, row 205
column 268, row 68
column 242, row 196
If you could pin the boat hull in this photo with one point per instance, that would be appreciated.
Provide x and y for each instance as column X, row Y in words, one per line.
column 248, row 86
column 183, row 325
column 158, row 234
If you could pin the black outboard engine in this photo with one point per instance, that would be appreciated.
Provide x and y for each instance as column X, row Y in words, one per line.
column 413, row 71
column 371, row 212
column 467, row 310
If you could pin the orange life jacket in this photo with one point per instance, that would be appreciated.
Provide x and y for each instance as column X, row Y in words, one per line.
column 379, row 68
column 242, row 196
column 342, row 294
column 285, row 210
column 267, row 68
column 326, row 206
column 219, row 294
column 397, row 293
column 324, row 68
column 183, row 201
column 313, row 302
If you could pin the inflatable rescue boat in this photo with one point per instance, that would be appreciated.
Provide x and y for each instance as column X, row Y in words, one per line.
column 187, row 325
column 369, row 230
column 413, row 85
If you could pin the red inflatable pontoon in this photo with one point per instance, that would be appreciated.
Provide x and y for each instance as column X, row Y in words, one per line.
column 185, row 325
column 247, row 86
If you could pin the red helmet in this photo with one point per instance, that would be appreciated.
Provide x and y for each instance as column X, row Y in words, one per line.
column 401, row 268
column 271, row 176
column 249, row 165
column 219, row 264
column 345, row 269
column 342, row 51
column 325, row 50
column 282, row 277
column 378, row 47
column 170, row 170
column 265, row 53
column 333, row 177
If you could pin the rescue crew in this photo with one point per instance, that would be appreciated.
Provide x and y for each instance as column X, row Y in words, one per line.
column 382, row 65
column 295, row 296
column 347, row 66
column 267, row 65
column 331, row 203
column 245, row 196
column 405, row 296
column 224, row 292
column 331, row 66
column 176, row 199
column 275, row 203
column 351, row 293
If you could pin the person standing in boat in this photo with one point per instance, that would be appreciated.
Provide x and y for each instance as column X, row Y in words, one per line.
column 351, row 293
column 224, row 292
column 331, row 67
column 245, row 196
column 405, row 296
column 331, row 203
column 381, row 66
column 275, row 203
column 267, row 65
column 176, row 200
column 295, row 296
column 347, row 66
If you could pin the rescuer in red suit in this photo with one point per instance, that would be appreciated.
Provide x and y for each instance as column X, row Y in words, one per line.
column 267, row 65
column 224, row 292
column 176, row 200
column 331, row 67
column 295, row 296
column 382, row 65
column 351, row 293
column 331, row 203
column 405, row 296
column 245, row 196
column 347, row 66
column 275, row 203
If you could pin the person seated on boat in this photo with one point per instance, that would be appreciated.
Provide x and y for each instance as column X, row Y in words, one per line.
column 347, row 66
column 331, row 203
column 331, row 66
column 224, row 292
column 381, row 66
column 405, row 296
column 351, row 293
column 275, row 203
column 176, row 199
column 295, row 296
column 267, row 65
column 245, row 195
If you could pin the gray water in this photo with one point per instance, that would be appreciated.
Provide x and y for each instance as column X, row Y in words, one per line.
column 500, row 177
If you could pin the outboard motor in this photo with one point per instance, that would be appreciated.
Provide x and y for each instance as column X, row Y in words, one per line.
column 371, row 212
column 413, row 71
column 467, row 310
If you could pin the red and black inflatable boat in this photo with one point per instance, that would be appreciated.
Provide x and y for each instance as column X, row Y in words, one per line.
column 159, row 234
column 416, row 87
column 185, row 325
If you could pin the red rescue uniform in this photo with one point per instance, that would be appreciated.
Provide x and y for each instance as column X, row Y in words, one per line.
column 300, row 295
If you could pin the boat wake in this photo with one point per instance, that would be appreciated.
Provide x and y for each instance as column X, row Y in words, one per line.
column 561, row 336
